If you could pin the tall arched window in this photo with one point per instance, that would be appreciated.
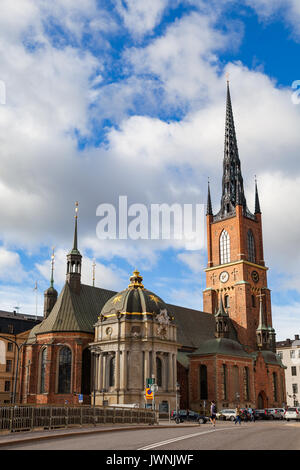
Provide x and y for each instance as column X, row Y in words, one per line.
column 203, row 382
column 112, row 364
column 86, row 372
column 159, row 371
column 64, row 370
column 224, row 247
column 251, row 247
column 246, row 383
column 43, row 370
column 275, row 386
column 236, row 383
column 224, row 381
column 226, row 301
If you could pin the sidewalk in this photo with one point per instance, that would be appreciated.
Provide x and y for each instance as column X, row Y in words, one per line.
column 29, row 436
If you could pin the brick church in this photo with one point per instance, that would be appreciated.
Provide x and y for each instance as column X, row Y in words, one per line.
column 104, row 345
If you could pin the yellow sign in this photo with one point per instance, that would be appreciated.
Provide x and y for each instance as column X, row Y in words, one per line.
column 149, row 394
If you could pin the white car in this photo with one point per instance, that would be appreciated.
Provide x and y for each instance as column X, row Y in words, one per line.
column 292, row 413
column 228, row 414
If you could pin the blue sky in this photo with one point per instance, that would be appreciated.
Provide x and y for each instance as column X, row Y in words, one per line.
column 127, row 97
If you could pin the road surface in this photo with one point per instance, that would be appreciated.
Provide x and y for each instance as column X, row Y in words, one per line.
column 262, row 435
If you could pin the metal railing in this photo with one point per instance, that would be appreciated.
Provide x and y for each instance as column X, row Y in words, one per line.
column 26, row 418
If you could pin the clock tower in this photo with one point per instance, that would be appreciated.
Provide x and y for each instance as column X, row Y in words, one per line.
column 236, row 269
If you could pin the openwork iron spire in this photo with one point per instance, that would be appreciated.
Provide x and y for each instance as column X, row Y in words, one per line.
column 232, row 182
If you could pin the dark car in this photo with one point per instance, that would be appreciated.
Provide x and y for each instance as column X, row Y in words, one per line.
column 188, row 415
column 261, row 414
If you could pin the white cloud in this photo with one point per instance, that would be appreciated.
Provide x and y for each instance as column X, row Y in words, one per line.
column 286, row 320
column 139, row 17
column 11, row 268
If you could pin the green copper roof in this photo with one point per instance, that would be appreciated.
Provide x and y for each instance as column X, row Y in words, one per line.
column 222, row 346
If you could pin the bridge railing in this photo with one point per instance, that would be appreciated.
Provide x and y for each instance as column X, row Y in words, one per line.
column 25, row 418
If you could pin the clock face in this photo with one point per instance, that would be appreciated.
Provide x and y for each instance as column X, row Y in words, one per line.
column 255, row 276
column 224, row 276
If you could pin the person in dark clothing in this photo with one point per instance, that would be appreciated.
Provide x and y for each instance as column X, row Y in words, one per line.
column 213, row 413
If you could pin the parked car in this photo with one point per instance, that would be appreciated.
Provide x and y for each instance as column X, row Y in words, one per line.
column 260, row 414
column 292, row 413
column 226, row 414
column 274, row 413
column 188, row 415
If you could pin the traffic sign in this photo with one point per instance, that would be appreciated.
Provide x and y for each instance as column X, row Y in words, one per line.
column 154, row 388
column 150, row 381
column 149, row 394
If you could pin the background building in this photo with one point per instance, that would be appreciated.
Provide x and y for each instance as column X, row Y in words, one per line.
column 289, row 352
column 14, row 328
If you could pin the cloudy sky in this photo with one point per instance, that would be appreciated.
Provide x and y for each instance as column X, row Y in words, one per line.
column 127, row 97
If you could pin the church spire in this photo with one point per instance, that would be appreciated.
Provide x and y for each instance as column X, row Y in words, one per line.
column 50, row 295
column 74, row 260
column 232, row 182
column 257, row 205
column 262, row 331
column 209, row 205
column 222, row 319
column 52, row 269
column 75, row 241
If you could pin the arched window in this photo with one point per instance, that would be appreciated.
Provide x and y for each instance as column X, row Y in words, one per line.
column 112, row 364
column 275, row 386
column 64, row 370
column 246, row 383
column 251, row 247
column 159, row 371
column 226, row 301
column 224, row 381
column 236, row 383
column 224, row 247
column 86, row 372
column 203, row 382
column 253, row 300
column 43, row 370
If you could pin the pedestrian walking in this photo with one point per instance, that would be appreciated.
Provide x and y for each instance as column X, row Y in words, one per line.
column 213, row 413
column 238, row 415
column 251, row 413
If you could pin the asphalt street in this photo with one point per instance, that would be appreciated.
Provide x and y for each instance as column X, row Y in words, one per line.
column 263, row 435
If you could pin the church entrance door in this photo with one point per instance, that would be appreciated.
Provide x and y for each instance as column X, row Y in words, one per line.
column 262, row 401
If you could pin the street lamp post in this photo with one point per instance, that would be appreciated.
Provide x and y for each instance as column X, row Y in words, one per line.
column 177, row 390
